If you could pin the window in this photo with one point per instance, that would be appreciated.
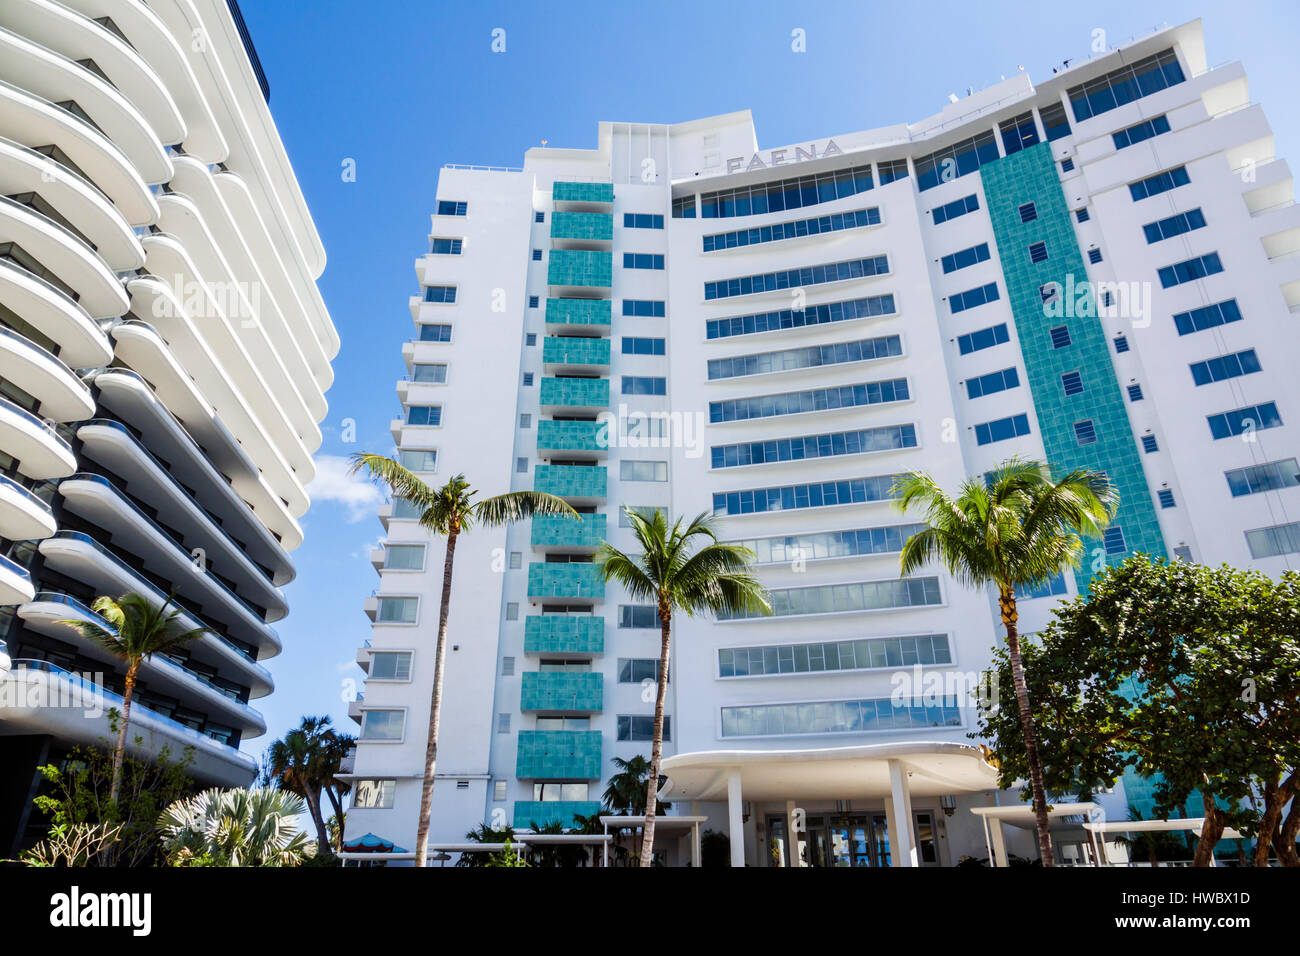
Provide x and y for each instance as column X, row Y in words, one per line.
column 982, row 339
column 1085, row 432
column 1182, row 553
column 891, row 169
column 643, row 470
column 1121, row 344
column 961, row 301
column 642, row 260
column 828, row 312
column 405, row 508
column 1055, row 122
column 644, row 385
column 1028, row 212
column 530, row 339
column 516, row 560
column 1067, row 165
column 1060, row 336
column 1134, row 392
column 404, row 557
column 641, row 727
column 947, row 164
column 1273, row 541
column 445, row 247
column 373, row 794
column 823, row 545
column 1271, row 476
column 637, row 670
column 499, row 790
column 992, row 382
column 424, row 415
column 1224, row 367
column 644, row 308
column 512, row 610
column 642, row 346
column 1207, row 317
column 1081, row 215
column 503, row 723
column 555, row 791
column 390, row 665
column 644, row 511
column 382, row 724
column 534, row 301
column 1038, row 252
column 840, row 716
column 792, row 230
column 1112, row 540
column 958, row 207
column 1141, row 132
column 964, row 258
column 642, row 220
column 797, row 278
column 684, row 207
column 638, row 616
column 435, row 374
column 1018, row 132
column 521, row 466
column 507, row 666
column 537, row 255
column 858, row 442
column 1166, row 498
column 813, row 400
column 1094, row 256
column 1241, row 420
column 1149, row 444
column 440, row 293
column 824, row 494
column 528, row 379
column 1072, row 383
column 1124, row 85
column 783, row 194
column 419, row 459
column 1174, row 226
column 451, row 208
column 435, row 333
column 820, row 657
column 525, row 420
column 1159, row 183
column 539, row 217
column 1053, row 587
column 862, row 350
column 398, row 610
column 1003, row 428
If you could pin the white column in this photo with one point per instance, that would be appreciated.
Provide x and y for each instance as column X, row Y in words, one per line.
column 695, row 845
column 902, row 835
column 999, row 843
column 735, row 819
column 792, row 854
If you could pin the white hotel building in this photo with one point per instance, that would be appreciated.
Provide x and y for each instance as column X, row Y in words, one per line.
column 164, row 354
column 824, row 316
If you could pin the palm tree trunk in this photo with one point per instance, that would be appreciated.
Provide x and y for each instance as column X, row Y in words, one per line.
column 656, row 748
column 312, row 797
column 1211, row 831
column 337, row 804
column 1007, row 604
column 435, row 702
column 119, row 752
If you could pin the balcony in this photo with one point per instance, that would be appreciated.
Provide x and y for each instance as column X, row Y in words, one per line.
column 580, row 270
column 548, row 579
column 561, row 395
column 561, row 692
column 593, row 314
column 560, row 531
column 583, row 193
column 562, row 354
column 530, row 813
column 558, row 755
column 582, row 230
column 41, row 452
column 564, row 634
column 63, row 397
column 15, row 582
column 579, row 484
column 589, row 436
column 23, row 515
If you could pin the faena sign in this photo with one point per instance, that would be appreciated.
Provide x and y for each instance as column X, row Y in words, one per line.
column 782, row 157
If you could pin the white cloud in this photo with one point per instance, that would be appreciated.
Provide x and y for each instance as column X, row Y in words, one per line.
column 356, row 494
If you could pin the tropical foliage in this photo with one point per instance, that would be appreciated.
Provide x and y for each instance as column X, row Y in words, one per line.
column 235, row 828
column 306, row 761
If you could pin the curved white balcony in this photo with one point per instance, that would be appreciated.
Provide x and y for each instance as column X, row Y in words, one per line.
column 15, row 582
column 41, row 453
column 63, row 396
column 24, row 170
column 23, row 515
column 42, row 698
column 126, row 394
column 78, row 37
column 110, row 444
column 53, row 312
column 47, row 611
column 58, row 79
column 35, row 121
column 66, row 255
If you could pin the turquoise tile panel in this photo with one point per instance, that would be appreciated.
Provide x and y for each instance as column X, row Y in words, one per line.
column 571, row 481
column 572, row 435
column 561, row 691
column 575, row 350
column 589, row 268
column 558, row 755
column 585, row 531
column 564, row 634
column 575, row 392
column 530, row 813
column 582, row 225
column 565, row 579
column 582, row 192
column 589, row 312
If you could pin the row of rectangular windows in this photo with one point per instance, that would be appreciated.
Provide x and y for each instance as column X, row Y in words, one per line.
column 838, row 717
column 971, row 298
column 869, row 307
column 795, row 193
column 777, row 232
column 965, row 257
column 822, row 494
column 813, row 356
column 802, row 448
column 819, row 657
column 812, row 400
column 1175, row 225
column 797, row 278
column 823, row 545
column 840, row 598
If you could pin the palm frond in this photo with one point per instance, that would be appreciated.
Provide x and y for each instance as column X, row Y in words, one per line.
column 517, row 505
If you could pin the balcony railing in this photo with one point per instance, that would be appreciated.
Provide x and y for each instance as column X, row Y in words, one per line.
column 26, row 493
column 573, row 579
column 571, row 481
column 564, row 634
column 562, row 691
column 35, row 420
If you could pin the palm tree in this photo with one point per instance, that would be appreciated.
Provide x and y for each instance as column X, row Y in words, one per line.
column 134, row 631
column 625, row 792
column 676, row 574
column 235, row 828
column 334, row 748
column 296, row 763
column 450, row 511
column 1014, row 528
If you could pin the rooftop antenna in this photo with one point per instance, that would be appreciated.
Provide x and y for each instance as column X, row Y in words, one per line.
column 952, row 97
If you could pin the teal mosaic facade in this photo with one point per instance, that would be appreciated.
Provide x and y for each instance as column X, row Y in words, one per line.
column 1030, row 176
column 564, row 634
column 575, row 392
column 572, row 435
column 529, row 813
column 561, row 691
column 582, row 225
column 556, row 579
column 586, row 531
column 558, row 755
column 572, row 350
column 587, row 268
column 571, row 481
column 582, row 192
column 592, row 312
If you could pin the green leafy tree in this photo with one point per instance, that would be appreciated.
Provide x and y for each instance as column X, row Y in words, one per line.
column 450, row 511
column 626, row 790
column 134, row 630
column 1013, row 529
column 235, row 828
column 679, row 569
column 1188, row 674
column 487, row 835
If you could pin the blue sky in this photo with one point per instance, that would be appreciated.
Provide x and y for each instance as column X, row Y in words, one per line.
column 401, row 88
